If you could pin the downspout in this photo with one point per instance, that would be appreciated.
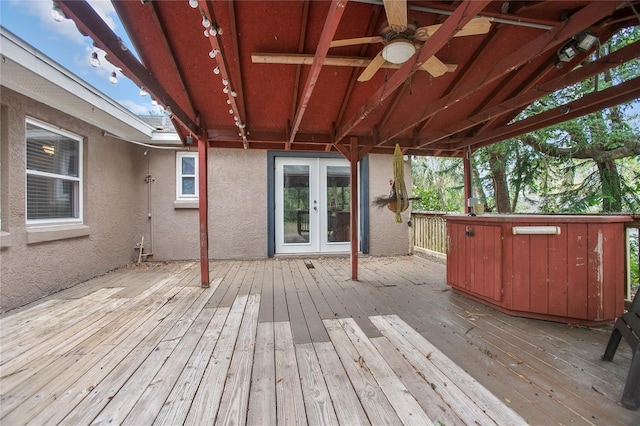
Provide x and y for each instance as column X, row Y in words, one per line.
column 148, row 179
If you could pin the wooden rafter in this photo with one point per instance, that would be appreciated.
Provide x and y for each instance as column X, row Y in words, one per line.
column 161, row 31
column 330, row 26
column 585, row 17
column 589, row 103
column 236, row 54
column 458, row 19
column 296, row 84
column 612, row 60
column 353, row 79
column 231, row 89
column 91, row 24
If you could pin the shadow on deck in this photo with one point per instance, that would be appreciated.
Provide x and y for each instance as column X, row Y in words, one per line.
column 294, row 341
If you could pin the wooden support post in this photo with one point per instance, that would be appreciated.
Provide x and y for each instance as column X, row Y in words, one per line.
column 203, row 204
column 353, row 159
column 467, row 180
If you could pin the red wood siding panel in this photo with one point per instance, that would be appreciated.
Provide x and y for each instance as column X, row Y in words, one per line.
column 558, row 287
column 577, row 279
column 520, row 280
column 474, row 256
column 576, row 276
column 539, row 272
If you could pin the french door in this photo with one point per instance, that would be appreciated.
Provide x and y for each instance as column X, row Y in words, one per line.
column 312, row 210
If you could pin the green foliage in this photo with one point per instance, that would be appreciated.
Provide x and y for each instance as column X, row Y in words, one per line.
column 439, row 184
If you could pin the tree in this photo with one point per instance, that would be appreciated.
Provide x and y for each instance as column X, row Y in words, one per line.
column 439, row 184
column 595, row 156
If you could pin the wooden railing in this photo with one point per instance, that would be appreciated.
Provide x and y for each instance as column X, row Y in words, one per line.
column 429, row 231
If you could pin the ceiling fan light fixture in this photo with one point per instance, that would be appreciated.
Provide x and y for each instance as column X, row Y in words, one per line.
column 398, row 51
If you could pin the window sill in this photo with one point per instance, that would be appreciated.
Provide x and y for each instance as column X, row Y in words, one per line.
column 186, row 204
column 5, row 239
column 43, row 234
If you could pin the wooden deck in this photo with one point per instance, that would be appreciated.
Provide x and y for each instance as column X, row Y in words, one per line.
column 294, row 341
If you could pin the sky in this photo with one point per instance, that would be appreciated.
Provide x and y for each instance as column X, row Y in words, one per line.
column 62, row 42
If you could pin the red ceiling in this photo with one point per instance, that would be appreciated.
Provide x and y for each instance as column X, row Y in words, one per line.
column 321, row 107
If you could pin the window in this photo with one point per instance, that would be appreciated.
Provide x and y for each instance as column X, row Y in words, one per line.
column 187, row 176
column 54, row 175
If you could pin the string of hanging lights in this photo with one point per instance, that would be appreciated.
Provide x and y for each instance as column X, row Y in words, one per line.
column 212, row 31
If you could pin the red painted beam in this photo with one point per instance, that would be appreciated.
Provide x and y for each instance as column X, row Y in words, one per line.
column 330, row 26
column 203, row 206
column 458, row 19
column 231, row 90
column 616, row 58
column 91, row 24
column 590, row 14
column 592, row 102
column 353, row 160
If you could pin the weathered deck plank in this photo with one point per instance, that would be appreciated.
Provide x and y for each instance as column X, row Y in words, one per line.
column 277, row 341
column 262, row 397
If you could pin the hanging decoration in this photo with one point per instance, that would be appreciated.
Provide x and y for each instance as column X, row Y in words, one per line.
column 398, row 199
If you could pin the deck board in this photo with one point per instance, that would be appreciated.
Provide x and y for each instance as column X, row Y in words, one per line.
column 286, row 341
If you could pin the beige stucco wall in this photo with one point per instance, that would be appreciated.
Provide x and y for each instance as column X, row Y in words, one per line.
column 237, row 204
column 387, row 238
column 31, row 271
column 172, row 230
column 238, row 221
column 237, row 207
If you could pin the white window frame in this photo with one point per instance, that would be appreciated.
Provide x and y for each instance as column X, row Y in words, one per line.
column 80, row 207
column 179, row 175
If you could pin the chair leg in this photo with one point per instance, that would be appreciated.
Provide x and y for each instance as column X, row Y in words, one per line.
column 612, row 346
column 631, row 393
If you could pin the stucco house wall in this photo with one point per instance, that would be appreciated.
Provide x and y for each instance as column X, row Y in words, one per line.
column 237, row 204
column 238, row 219
column 387, row 238
column 31, row 268
column 171, row 228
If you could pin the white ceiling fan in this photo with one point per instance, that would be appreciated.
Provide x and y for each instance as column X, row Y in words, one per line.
column 401, row 40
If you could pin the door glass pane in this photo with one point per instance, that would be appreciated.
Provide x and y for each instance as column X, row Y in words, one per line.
column 296, row 204
column 338, row 196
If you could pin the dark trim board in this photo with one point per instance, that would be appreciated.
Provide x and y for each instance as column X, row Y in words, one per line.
column 271, row 196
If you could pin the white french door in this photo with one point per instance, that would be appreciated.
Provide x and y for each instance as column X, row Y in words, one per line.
column 312, row 205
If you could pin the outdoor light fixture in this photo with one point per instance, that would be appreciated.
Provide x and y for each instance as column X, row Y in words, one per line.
column 56, row 13
column 581, row 42
column 114, row 78
column 94, row 61
column 398, row 51
column 193, row 3
column 123, row 46
column 189, row 140
column 205, row 22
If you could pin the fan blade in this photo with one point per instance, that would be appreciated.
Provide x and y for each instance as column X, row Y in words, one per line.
column 474, row 27
column 396, row 11
column 373, row 67
column 435, row 66
column 354, row 41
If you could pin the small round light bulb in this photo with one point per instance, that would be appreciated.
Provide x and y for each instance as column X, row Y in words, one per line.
column 94, row 61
